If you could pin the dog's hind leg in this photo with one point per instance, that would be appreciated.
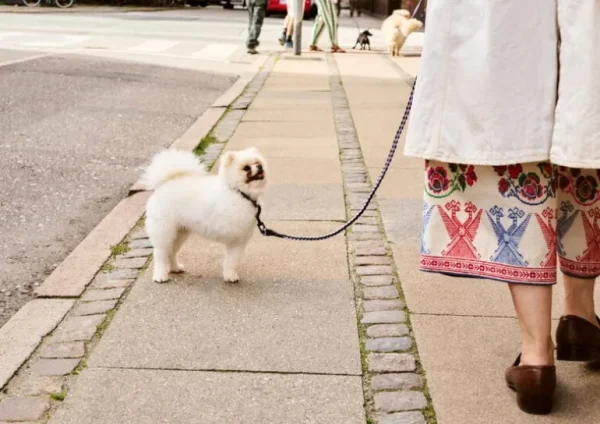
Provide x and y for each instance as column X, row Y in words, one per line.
column 355, row 45
column 162, row 236
column 232, row 259
column 180, row 238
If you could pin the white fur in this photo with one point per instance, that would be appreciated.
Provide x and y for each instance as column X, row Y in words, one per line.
column 187, row 200
column 396, row 28
column 170, row 164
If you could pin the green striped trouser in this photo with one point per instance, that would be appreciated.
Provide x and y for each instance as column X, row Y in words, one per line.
column 326, row 17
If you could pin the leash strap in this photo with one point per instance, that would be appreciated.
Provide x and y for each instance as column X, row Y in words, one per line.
column 267, row 232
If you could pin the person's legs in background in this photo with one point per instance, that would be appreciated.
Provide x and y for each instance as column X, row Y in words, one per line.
column 256, row 16
column 318, row 28
column 327, row 12
column 284, row 33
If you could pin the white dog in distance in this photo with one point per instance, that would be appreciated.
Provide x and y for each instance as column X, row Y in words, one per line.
column 187, row 199
column 397, row 27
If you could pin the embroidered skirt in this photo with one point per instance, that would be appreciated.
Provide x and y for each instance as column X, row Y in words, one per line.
column 513, row 223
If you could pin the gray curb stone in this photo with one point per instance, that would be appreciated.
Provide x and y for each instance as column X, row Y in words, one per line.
column 387, row 330
column 391, row 362
column 412, row 417
column 383, row 317
column 399, row 401
column 402, row 381
column 389, row 344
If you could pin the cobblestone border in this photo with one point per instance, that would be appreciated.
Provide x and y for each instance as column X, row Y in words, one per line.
column 37, row 389
column 393, row 381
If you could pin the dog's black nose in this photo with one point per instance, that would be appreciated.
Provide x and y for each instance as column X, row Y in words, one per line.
column 259, row 167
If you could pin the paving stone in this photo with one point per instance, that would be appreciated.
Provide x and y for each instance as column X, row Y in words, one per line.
column 383, row 317
column 383, row 305
column 372, row 260
column 359, row 186
column 383, row 292
column 19, row 408
column 401, row 381
column 121, row 274
column 374, row 270
column 77, row 328
column 139, row 233
column 377, row 280
column 399, row 401
column 366, row 236
column 107, row 294
column 367, row 221
column 35, row 385
column 391, row 362
column 63, row 350
column 131, row 263
column 366, row 229
column 389, row 344
column 140, row 244
column 358, row 206
column 412, row 417
column 94, row 308
column 364, row 244
column 101, row 283
column 137, row 253
column 365, row 189
column 370, row 251
column 387, row 330
column 54, row 366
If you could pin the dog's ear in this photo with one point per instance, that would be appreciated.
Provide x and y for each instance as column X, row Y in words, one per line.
column 227, row 159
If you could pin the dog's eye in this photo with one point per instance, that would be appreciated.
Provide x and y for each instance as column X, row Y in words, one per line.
column 247, row 168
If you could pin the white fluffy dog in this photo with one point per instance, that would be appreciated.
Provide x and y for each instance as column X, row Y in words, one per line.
column 187, row 199
column 397, row 27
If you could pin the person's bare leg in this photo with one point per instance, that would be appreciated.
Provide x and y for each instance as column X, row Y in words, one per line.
column 579, row 298
column 533, row 305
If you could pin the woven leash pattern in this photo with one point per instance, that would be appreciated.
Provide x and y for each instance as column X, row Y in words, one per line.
column 272, row 233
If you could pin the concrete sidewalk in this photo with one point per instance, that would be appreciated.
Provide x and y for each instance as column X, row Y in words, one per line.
column 314, row 332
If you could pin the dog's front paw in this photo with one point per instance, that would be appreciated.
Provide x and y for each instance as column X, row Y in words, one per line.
column 159, row 278
column 177, row 269
column 230, row 276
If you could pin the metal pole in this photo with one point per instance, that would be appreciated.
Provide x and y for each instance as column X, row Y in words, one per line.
column 299, row 6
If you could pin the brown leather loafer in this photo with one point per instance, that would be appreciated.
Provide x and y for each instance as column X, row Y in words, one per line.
column 534, row 385
column 577, row 339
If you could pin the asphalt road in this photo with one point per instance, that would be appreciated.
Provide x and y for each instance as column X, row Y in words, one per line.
column 74, row 133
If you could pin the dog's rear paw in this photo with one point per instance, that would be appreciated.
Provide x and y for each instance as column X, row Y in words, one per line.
column 231, row 277
column 177, row 269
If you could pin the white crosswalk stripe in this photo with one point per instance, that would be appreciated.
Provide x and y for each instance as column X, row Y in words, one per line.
column 217, row 51
column 154, row 46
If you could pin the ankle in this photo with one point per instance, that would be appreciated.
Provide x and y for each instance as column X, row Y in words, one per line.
column 538, row 353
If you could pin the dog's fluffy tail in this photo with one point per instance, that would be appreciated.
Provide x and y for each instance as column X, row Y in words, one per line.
column 170, row 164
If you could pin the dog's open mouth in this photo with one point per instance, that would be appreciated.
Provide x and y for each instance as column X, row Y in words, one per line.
column 259, row 176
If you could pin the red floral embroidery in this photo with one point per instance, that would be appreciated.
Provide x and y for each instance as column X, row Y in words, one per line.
column 437, row 179
column 515, row 170
column 503, row 186
column 530, row 186
column 586, row 188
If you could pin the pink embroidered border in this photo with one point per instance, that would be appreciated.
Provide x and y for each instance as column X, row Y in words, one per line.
column 579, row 269
column 474, row 268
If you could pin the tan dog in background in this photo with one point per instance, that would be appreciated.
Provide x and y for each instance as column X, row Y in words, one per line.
column 397, row 27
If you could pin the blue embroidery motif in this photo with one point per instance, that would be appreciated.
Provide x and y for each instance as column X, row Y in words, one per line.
column 508, row 239
column 427, row 211
column 564, row 224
